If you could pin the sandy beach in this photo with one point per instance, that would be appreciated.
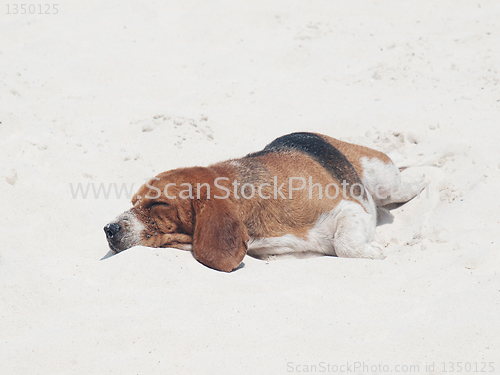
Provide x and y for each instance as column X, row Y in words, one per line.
column 97, row 97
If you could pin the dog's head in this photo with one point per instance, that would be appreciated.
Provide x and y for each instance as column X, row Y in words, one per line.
column 179, row 209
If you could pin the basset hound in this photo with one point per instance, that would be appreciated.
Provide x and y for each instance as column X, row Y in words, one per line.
column 303, row 193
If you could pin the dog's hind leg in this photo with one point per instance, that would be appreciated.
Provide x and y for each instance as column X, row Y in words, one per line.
column 354, row 231
column 383, row 181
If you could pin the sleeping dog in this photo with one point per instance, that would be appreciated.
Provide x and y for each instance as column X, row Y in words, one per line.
column 303, row 193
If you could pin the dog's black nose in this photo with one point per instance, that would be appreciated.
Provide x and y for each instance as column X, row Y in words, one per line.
column 111, row 229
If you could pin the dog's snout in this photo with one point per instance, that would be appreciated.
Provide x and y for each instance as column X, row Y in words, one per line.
column 112, row 229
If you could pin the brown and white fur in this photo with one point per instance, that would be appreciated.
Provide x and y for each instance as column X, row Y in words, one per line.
column 274, row 221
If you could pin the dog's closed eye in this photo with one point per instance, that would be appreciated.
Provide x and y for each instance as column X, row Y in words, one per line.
column 159, row 204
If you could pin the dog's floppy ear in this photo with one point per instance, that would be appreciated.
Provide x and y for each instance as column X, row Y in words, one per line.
column 220, row 237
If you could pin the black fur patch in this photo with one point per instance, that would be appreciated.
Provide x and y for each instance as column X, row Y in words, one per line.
column 320, row 150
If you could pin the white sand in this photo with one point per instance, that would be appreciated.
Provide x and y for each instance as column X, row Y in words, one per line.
column 118, row 91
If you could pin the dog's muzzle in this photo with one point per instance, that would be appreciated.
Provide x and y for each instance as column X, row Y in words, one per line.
column 112, row 230
column 122, row 233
